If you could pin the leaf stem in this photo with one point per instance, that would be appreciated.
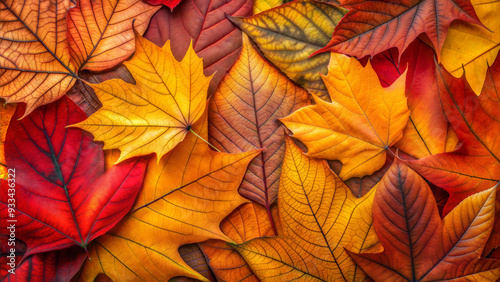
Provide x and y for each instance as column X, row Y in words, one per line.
column 2, row 164
column 215, row 148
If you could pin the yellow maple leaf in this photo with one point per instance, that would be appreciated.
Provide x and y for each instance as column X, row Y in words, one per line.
column 183, row 200
column 156, row 113
column 363, row 120
column 482, row 45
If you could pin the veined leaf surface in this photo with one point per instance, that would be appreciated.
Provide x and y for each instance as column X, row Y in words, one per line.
column 205, row 24
column 100, row 32
column 475, row 166
column 417, row 245
column 320, row 218
column 243, row 115
column 361, row 122
column 185, row 197
column 156, row 113
column 65, row 197
column 289, row 34
column 35, row 61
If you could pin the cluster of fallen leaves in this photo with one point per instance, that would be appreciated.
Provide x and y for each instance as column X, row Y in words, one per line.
column 232, row 140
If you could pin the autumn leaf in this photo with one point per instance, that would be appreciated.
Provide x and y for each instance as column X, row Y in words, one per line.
column 35, row 65
column 417, row 245
column 156, row 113
column 320, row 218
column 475, row 166
column 482, row 45
column 363, row 120
column 196, row 259
column 247, row 222
column 427, row 131
column 375, row 26
column 264, row 5
column 289, row 34
column 243, row 115
column 64, row 196
column 59, row 265
column 100, row 32
column 184, row 198
column 205, row 24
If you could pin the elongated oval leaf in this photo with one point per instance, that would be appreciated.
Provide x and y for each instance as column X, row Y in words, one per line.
column 289, row 34
column 64, row 197
column 244, row 116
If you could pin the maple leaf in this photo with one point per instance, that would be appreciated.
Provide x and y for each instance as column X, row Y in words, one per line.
column 363, row 120
column 64, row 195
column 243, row 115
column 289, row 34
column 475, row 166
column 417, row 245
column 100, row 32
column 320, row 217
column 482, row 45
column 371, row 27
column 427, row 131
column 156, row 113
column 35, row 65
column 204, row 23
column 184, row 198
column 247, row 222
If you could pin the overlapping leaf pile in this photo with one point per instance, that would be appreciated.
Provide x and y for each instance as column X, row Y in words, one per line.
column 249, row 140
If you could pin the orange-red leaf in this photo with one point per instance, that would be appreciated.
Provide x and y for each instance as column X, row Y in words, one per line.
column 476, row 165
column 417, row 245
column 244, row 116
column 371, row 27
column 427, row 131
column 361, row 122
column 100, row 32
